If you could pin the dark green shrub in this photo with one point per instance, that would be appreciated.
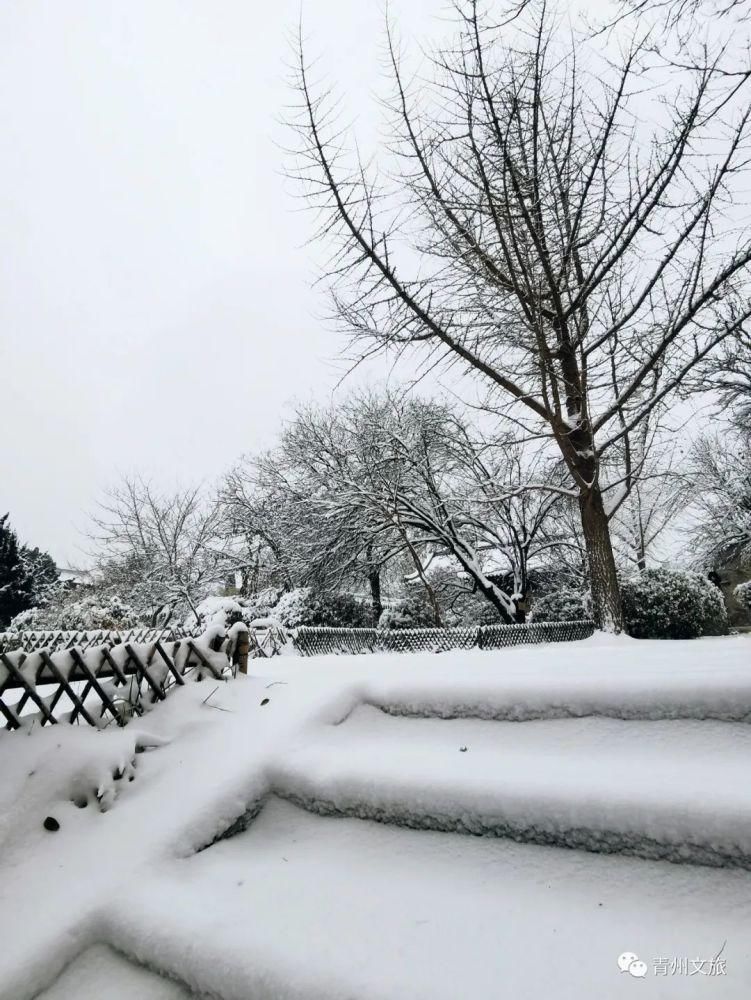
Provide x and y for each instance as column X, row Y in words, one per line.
column 412, row 612
column 304, row 606
column 669, row 604
column 563, row 605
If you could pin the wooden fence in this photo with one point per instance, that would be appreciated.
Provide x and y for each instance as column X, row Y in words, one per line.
column 322, row 641
column 54, row 639
column 107, row 677
column 108, row 683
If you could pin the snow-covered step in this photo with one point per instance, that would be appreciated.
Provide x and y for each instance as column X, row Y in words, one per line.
column 629, row 680
column 677, row 790
column 100, row 972
column 302, row 907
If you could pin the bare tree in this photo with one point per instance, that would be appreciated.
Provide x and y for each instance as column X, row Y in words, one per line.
column 726, row 379
column 516, row 527
column 167, row 545
column 253, row 503
column 531, row 233
column 288, row 498
column 721, row 473
column 647, row 487
column 381, row 476
column 651, row 508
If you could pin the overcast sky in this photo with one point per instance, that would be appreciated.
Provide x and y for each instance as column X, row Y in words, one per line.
column 156, row 310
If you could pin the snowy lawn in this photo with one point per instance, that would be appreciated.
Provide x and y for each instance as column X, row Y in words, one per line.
column 631, row 750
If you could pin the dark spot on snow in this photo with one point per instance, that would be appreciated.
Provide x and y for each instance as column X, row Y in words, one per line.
column 117, row 774
column 51, row 824
column 462, row 749
column 32, row 773
column 132, row 777
column 81, row 803
column 265, row 701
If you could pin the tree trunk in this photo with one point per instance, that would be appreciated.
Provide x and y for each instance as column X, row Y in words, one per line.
column 606, row 596
column 489, row 592
column 374, row 579
column 421, row 574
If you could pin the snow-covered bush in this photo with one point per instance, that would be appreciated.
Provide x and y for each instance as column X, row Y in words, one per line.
column 742, row 594
column 261, row 603
column 92, row 611
column 26, row 620
column 226, row 611
column 670, row 604
column 293, row 608
column 412, row 612
column 564, row 605
column 303, row 606
column 217, row 610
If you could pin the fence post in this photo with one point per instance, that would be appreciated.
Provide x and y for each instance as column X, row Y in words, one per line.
column 242, row 647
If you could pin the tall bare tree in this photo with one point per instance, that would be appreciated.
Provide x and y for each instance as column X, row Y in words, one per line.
column 535, row 231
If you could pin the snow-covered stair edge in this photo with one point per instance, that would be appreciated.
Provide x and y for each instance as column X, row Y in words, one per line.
column 238, row 825
column 548, row 834
column 425, row 708
column 101, row 969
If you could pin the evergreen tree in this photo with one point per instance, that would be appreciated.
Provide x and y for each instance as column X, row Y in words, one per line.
column 15, row 583
column 43, row 575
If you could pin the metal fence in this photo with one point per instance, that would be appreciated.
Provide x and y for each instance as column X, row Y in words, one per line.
column 322, row 641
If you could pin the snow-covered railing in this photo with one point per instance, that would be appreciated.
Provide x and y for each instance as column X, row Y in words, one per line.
column 30, row 640
column 112, row 682
column 321, row 641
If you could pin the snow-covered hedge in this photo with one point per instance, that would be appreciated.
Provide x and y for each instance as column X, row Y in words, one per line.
column 304, row 606
column 668, row 604
column 94, row 611
column 413, row 612
column 564, row 605
column 226, row 611
column 742, row 594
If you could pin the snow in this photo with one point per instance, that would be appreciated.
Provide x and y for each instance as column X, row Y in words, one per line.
column 601, row 784
column 639, row 747
column 100, row 972
column 334, row 909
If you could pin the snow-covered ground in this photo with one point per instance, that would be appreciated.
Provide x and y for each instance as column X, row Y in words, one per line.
column 351, row 787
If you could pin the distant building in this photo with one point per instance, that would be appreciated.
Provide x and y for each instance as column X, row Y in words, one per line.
column 72, row 578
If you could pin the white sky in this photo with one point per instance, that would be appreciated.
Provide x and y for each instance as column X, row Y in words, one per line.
column 156, row 310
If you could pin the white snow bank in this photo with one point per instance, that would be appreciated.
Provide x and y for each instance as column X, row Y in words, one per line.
column 333, row 909
column 48, row 772
column 306, row 907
